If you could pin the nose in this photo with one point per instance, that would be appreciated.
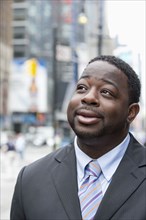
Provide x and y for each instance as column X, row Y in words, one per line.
column 90, row 98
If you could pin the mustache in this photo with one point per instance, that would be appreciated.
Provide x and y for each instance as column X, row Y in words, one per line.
column 91, row 109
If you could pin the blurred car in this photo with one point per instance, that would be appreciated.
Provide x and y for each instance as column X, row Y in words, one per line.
column 39, row 140
column 42, row 136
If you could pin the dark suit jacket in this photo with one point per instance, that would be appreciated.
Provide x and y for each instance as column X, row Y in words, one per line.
column 47, row 189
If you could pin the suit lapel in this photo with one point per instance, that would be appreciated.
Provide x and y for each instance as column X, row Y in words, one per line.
column 125, row 181
column 65, row 181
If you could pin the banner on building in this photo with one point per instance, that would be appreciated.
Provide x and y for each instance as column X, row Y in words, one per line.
column 28, row 86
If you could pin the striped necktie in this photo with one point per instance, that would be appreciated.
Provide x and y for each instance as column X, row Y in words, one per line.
column 90, row 193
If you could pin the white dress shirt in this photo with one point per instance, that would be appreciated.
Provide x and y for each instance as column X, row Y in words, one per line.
column 108, row 162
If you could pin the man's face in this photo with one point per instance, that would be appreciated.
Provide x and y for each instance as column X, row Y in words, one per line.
column 99, row 106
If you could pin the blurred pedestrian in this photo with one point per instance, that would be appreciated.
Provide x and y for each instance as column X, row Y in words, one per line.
column 102, row 175
column 20, row 145
column 9, row 155
column 10, row 145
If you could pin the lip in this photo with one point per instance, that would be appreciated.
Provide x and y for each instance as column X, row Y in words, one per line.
column 87, row 117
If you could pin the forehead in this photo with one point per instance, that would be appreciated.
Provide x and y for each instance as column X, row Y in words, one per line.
column 104, row 70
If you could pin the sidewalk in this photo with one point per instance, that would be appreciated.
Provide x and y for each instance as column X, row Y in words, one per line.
column 9, row 174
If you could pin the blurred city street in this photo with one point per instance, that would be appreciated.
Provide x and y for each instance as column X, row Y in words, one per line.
column 9, row 174
column 44, row 49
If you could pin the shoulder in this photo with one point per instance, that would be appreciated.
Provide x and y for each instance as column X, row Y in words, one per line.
column 136, row 143
column 48, row 162
column 137, row 151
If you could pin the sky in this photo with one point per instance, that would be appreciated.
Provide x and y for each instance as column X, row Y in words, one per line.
column 127, row 18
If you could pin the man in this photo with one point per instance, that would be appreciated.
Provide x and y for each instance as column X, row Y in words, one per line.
column 104, row 104
column 20, row 145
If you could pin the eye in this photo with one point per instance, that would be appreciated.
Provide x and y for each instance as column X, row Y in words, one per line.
column 81, row 88
column 106, row 92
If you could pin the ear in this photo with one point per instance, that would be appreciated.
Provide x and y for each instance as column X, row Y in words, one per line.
column 133, row 111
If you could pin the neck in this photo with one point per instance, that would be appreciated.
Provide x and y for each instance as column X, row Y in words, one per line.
column 97, row 147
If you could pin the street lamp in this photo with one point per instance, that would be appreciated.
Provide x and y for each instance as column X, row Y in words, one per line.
column 54, row 76
column 82, row 18
column 100, row 27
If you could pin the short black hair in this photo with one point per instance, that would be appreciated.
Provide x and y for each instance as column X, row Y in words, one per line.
column 133, row 80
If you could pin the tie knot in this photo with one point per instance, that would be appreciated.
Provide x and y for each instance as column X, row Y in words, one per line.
column 93, row 169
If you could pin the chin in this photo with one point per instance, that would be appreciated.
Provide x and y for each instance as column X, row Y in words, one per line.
column 87, row 132
column 86, row 135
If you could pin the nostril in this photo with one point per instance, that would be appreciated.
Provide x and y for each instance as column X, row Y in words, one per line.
column 87, row 101
column 94, row 103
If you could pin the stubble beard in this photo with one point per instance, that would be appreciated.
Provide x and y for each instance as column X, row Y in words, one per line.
column 86, row 135
column 101, row 131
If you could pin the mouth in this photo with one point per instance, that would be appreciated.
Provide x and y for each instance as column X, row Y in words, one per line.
column 87, row 117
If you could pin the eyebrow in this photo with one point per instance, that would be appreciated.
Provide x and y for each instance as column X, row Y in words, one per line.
column 85, row 76
column 103, row 79
column 111, row 83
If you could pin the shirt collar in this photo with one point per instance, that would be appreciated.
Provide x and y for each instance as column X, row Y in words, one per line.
column 82, row 160
column 108, row 162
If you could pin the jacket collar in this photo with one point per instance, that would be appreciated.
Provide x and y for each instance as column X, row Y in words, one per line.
column 128, row 176
column 65, row 181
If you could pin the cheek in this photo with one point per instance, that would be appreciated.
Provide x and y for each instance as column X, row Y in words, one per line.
column 70, row 109
column 116, row 114
column 111, row 111
column 73, row 104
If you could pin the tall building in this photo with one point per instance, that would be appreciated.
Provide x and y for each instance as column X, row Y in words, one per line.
column 31, row 22
column 5, row 57
column 50, row 31
column 19, row 25
column 32, row 40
